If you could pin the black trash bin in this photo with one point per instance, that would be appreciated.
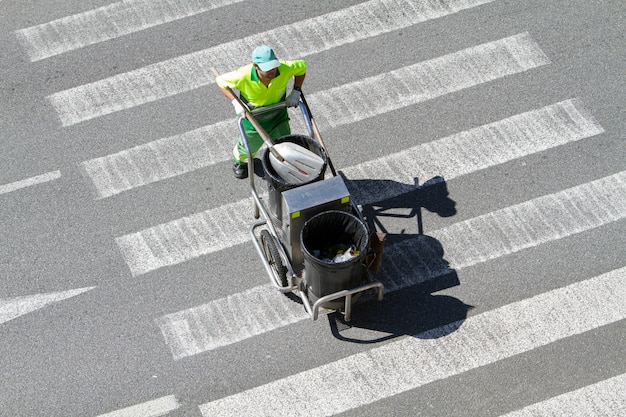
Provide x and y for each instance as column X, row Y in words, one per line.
column 320, row 234
column 276, row 184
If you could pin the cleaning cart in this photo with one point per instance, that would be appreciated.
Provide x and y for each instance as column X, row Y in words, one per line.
column 311, row 236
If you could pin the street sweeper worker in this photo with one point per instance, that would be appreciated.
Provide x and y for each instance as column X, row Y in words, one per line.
column 262, row 83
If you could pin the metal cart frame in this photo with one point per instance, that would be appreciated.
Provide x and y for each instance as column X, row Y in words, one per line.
column 295, row 276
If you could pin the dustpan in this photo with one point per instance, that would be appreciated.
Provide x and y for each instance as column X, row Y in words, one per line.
column 299, row 165
column 294, row 163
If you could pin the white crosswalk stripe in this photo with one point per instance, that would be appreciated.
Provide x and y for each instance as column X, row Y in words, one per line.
column 228, row 320
column 479, row 148
column 161, row 159
column 409, row 363
column 467, row 243
column 529, row 224
column 106, row 23
column 521, row 135
column 426, row 80
column 187, row 238
column 11, row 308
column 182, row 153
column 188, row 72
column 39, row 179
column 605, row 398
column 154, row 408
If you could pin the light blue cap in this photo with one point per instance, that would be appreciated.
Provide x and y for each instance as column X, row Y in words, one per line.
column 265, row 58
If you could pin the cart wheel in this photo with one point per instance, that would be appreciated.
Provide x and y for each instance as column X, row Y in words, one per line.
column 273, row 258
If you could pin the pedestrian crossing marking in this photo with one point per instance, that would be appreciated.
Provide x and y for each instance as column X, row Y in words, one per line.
column 213, row 230
column 436, row 354
column 191, row 71
column 106, row 23
column 38, row 179
column 12, row 308
column 470, row 242
column 605, row 398
column 178, row 154
column 153, row 408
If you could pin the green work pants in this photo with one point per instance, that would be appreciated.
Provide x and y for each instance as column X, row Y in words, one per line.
column 276, row 125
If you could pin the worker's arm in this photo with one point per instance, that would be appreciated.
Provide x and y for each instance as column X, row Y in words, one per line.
column 229, row 93
column 298, row 80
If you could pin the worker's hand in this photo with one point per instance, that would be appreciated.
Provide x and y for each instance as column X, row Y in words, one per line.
column 238, row 107
column 293, row 99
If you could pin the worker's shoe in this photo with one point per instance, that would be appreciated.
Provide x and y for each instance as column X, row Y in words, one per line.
column 240, row 170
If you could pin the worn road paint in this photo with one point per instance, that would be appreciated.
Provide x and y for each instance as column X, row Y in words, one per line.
column 39, row 179
column 605, row 398
column 496, row 234
column 106, row 23
column 11, row 308
column 436, row 354
column 154, row 408
column 213, row 230
column 176, row 155
column 296, row 40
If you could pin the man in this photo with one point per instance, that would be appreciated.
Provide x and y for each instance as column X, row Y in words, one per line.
column 262, row 83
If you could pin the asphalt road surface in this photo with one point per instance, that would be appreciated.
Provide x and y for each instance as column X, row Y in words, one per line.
column 485, row 138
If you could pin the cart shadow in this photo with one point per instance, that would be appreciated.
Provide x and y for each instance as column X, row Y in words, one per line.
column 432, row 196
column 403, row 313
column 413, row 268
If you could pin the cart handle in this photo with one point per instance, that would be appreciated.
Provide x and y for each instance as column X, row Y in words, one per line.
column 317, row 133
column 267, row 109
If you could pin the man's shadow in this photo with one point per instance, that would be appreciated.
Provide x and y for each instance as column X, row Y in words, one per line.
column 413, row 267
